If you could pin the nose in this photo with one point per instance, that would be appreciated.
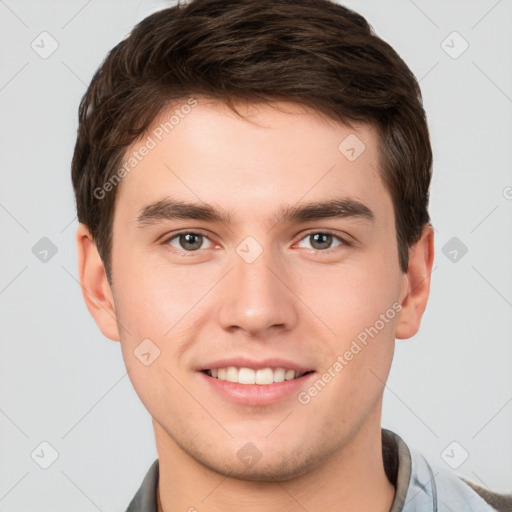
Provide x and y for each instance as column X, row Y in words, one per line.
column 258, row 297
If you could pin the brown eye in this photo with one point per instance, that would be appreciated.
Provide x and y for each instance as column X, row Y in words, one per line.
column 321, row 241
column 189, row 242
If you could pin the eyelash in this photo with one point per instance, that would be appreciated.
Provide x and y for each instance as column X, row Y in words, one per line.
column 344, row 241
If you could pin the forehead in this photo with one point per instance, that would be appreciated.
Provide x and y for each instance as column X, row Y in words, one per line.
column 282, row 153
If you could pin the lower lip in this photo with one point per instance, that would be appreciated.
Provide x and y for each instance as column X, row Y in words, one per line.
column 256, row 394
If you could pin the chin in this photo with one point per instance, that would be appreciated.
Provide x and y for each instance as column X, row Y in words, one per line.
column 279, row 468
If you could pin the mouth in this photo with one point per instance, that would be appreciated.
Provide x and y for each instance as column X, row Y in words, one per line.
column 249, row 376
column 262, row 385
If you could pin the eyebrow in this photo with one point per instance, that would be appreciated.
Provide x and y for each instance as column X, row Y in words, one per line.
column 172, row 209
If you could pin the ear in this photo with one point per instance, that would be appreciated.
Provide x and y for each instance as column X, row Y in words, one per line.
column 416, row 287
column 94, row 283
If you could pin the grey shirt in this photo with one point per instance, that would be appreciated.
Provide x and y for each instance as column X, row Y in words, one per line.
column 419, row 486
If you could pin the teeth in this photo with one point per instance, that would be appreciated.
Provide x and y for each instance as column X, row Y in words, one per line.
column 279, row 374
column 263, row 376
column 248, row 376
column 231, row 374
column 289, row 375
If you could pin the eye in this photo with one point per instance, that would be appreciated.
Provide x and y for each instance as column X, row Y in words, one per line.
column 188, row 241
column 320, row 241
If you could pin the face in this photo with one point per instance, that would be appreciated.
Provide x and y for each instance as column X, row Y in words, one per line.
column 281, row 276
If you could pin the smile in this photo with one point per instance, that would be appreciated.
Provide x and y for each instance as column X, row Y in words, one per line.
column 262, row 376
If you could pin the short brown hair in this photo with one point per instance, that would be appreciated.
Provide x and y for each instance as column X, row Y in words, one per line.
column 312, row 52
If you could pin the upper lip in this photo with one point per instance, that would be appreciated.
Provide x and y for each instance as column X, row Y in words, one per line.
column 255, row 364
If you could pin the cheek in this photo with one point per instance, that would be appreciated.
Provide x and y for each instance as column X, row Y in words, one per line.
column 359, row 304
column 164, row 304
column 348, row 299
column 153, row 296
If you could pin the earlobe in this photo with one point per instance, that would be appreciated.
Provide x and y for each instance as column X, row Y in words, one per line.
column 94, row 283
column 416, row 287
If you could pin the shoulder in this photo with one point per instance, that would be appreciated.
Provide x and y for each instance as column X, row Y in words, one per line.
column 145, row 498
column 424, row 486
column 500, row 502
column 433, row 484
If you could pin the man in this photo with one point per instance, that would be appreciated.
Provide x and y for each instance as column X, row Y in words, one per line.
column 252, row 184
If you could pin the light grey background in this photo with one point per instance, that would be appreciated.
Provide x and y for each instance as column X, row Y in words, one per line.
column 63, row 383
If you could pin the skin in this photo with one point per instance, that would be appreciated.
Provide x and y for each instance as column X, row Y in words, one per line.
column 295, row 301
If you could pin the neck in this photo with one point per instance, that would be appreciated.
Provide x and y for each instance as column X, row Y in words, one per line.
column 353, row 478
